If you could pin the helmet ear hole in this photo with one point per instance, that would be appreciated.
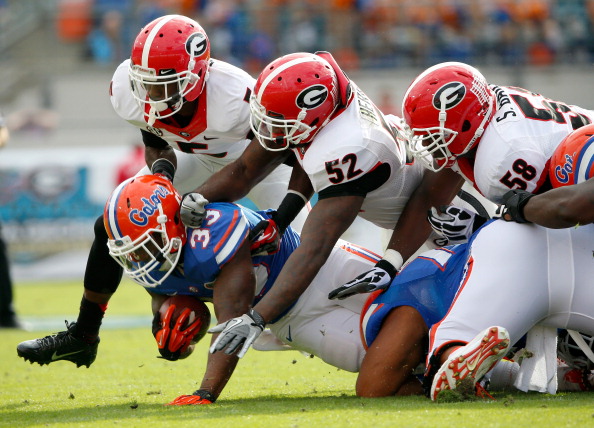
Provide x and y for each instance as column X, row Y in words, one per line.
column 466, row 126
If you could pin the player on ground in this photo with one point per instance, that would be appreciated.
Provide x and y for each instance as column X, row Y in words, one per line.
column 352, row 154
column 214, row 263
column 397, row 322
column 494, row 137
column 193, row 115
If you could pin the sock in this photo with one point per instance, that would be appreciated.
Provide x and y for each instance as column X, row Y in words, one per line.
column 89, row 320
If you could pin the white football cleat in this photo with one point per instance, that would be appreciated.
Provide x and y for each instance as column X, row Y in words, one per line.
column 474, row 360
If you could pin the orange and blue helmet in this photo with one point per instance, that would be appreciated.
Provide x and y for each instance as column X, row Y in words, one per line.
column 573, row 160
column 145, row 232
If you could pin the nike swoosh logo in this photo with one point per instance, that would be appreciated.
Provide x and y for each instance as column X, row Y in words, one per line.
column 267, row 237
column 210, row 138
column 288, row 337
column 235, row 321
column 57, row 357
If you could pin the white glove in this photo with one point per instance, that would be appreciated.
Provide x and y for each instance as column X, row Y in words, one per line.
column 192, row 209
column 455, row 224
column 237, row 332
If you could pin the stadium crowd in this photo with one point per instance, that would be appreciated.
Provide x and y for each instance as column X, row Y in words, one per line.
column 360, row 33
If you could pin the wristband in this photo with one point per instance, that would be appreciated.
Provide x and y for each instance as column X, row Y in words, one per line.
column 292, row 203
column 205, row 394
column 394, row 257
column 165, row 167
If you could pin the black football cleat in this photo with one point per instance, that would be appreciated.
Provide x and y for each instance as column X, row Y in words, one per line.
column 59, row 346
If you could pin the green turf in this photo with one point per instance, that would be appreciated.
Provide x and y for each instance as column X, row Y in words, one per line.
column 127, row 385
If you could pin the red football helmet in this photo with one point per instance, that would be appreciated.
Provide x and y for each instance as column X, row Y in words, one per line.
column 145, row 232
column 168, row 64
column 573, row 159
column 447, row 108
column 294, row 97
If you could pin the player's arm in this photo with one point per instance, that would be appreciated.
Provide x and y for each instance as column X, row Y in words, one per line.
column 159, row 155
column 412, row 228
column 326, row 222
column 235, row 180
column 233, row 294
column 558, row 208
column 387, row 368
column 410, row 232
column 266, row 235
column 299, row 193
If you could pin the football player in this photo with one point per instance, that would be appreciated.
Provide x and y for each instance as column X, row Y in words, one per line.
column 570, row 172
column 353, row 155
column 463, row 129
column 471, row 309
column 193, row 114
column 214, row 262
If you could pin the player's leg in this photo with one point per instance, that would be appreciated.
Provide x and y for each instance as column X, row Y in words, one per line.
column 79, row 342
column 327, row 328
column 503, row 296
column 570, row 279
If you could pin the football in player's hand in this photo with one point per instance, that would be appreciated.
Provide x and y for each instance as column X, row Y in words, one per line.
column 184, row 320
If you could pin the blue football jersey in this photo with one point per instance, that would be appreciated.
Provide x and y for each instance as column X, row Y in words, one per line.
column 425, row 284
column 225, row 228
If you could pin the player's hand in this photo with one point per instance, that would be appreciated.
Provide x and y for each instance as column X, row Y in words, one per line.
column 198, row 397
column 192, row 209
column 240, row 331
column 265, row 238
column 454, row 224
column 512, row 206
column 378, row 278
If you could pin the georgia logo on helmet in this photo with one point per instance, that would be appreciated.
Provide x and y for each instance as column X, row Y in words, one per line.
column 145, row 232
column 447, row 108
column 573, row 159
column 168, row 65
column 294, row 97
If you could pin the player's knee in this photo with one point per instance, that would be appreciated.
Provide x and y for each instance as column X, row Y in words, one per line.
column 344, row 352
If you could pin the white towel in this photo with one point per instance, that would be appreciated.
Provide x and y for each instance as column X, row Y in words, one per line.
column 539, row 372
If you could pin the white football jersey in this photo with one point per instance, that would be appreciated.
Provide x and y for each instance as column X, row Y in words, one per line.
column 515, row 149
column 221, row 126
column 354, row 143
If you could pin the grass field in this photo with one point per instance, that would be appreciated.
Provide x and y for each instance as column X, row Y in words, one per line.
column 127, row 385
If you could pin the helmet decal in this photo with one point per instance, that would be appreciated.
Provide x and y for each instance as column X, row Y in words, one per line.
column 572, row 161
column 150, row 206
column 449, row 95
column 312, row 97
column 294, row 97
column 196, row 44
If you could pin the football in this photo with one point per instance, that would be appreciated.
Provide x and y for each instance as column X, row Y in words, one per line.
column 188, row 323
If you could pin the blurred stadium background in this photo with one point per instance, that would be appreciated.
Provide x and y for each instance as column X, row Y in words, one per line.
column 68, row 149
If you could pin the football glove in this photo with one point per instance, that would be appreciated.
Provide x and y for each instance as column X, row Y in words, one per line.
column 512, row 206
column 192, row 209
column 240, row 331
column 265, row 238
column 198, row 397
column 175, row 341
column 454, row 224
column 378, row 278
